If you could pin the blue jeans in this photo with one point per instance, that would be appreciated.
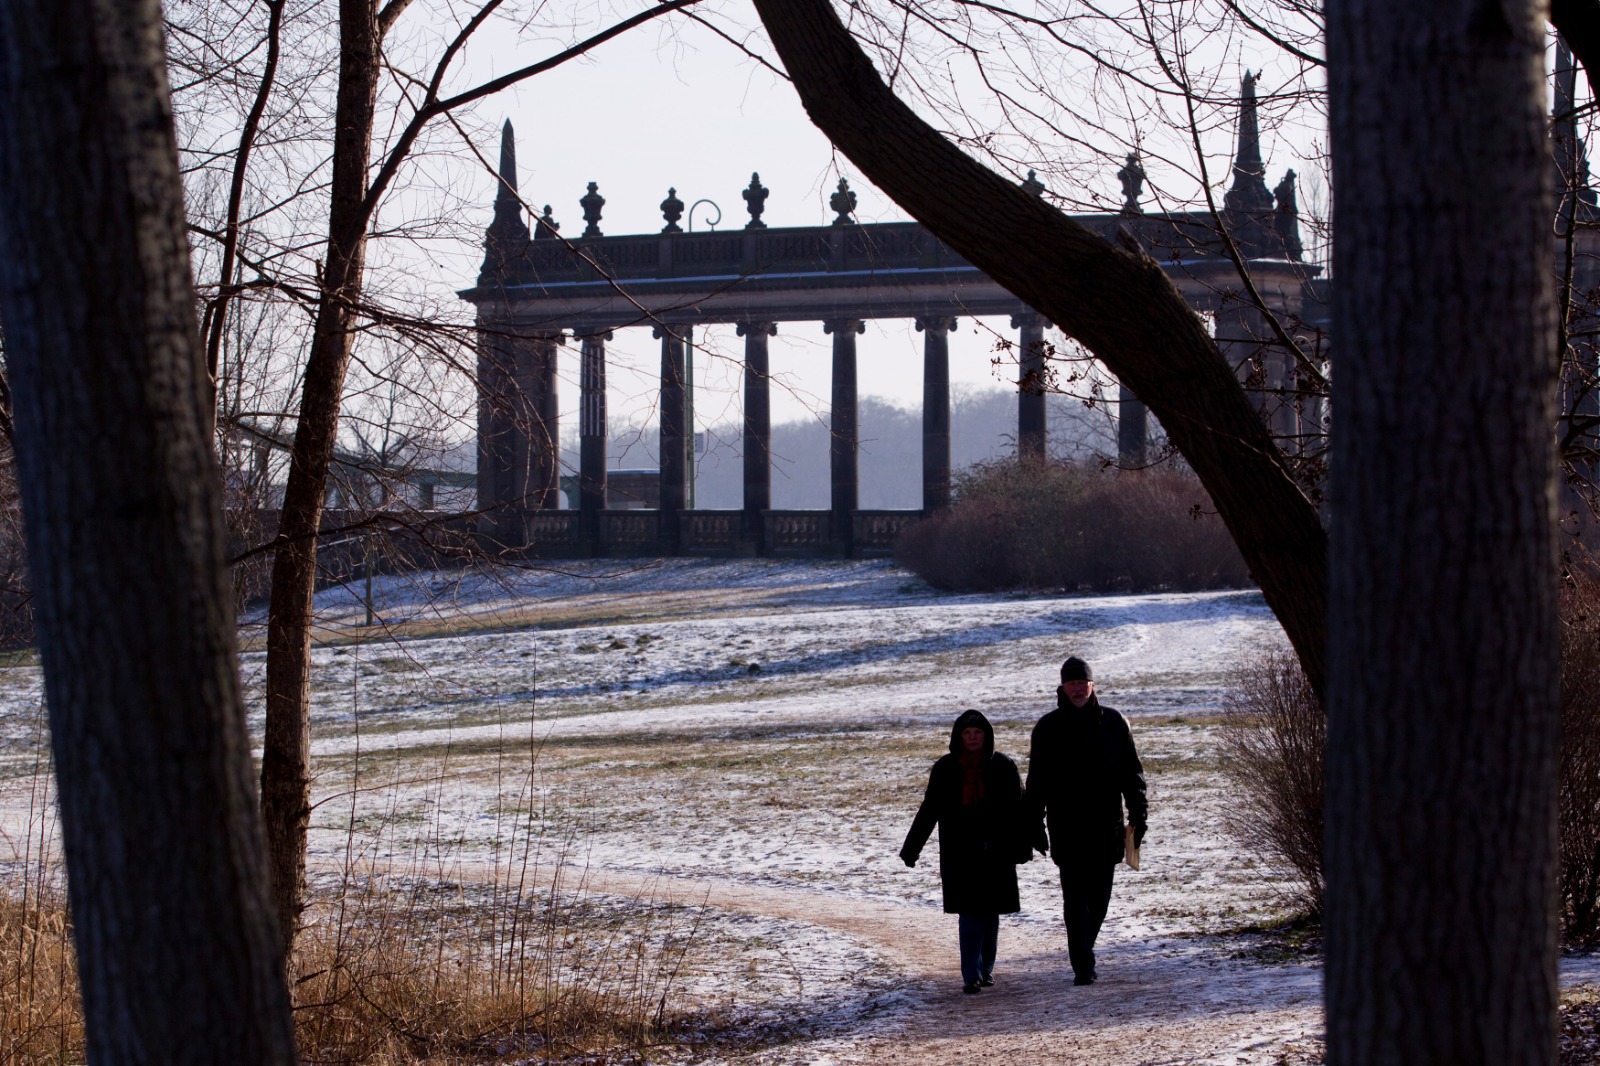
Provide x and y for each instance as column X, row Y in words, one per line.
column 980, row 934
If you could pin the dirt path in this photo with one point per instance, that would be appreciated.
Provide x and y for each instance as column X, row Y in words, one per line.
column 1173, row 1002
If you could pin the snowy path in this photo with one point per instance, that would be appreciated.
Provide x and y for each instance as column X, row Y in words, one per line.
column 1155, row 1003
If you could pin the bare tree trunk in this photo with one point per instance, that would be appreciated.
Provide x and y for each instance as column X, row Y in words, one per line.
column 1117, row 303
column 286, row 752
column 286, row 747
column 1442, row 695
column 175, row 935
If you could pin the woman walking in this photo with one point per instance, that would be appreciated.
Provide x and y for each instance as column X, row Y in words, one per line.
column 974, row 796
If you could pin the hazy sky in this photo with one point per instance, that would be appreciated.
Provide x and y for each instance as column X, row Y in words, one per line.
column 684, row 109
column 673, row 105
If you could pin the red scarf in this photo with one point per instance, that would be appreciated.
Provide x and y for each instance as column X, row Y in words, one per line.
column 971, row 776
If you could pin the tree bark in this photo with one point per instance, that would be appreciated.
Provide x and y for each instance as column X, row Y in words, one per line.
column 1442, row 695
column 286, row 745
column 175, row 934
column 1120, row 305
column 1579, row 23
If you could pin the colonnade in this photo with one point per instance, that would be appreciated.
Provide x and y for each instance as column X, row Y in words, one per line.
column 518, row 440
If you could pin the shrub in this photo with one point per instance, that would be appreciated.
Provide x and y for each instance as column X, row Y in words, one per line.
column 1273, row 737
column 1073, row 525
column 1272, row 750
column 1580, row 753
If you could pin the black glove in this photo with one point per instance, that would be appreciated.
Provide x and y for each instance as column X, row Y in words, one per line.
column 1138, row 835
column 908, row 858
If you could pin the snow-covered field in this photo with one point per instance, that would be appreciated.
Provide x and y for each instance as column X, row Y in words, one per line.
column 751, row 739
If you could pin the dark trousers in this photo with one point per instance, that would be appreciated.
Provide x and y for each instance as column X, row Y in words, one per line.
column 980, row 935
column 1085, row 895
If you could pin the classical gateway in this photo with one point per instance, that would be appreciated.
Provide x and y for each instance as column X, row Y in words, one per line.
column 540, row 290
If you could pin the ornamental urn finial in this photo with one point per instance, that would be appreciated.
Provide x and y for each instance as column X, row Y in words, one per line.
column 843, row 203
column 1032, row 184
column 672, row 210
column 591, row 203
column 755, row 198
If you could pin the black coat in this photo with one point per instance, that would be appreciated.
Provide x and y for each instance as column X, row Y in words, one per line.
column 1082, row 768
column 980, row 843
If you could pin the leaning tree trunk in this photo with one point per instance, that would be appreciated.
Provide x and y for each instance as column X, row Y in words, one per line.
column 286, row 746
column 1442, row 693
column 1119, row 304
column 175, row 935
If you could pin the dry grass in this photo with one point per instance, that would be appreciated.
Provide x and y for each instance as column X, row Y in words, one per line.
column 407, row 971
column 429, row 960
column 40, row 1022
column 400, row 973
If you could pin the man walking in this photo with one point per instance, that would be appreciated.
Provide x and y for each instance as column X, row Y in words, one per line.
column 1082, row 768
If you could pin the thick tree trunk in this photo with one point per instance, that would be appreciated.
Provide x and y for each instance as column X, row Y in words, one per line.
column 286, row 747
column 1442, row 694
column 1118, row 304
column 175, row 935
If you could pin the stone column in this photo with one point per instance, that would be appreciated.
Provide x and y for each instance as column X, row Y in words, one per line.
column 674, row 417
column 592, row 437
column 1313, row 424
column 935, row 410
column 843, row 442
column 1030, row 385
column 1283, row 379
column 495, row 430
column 548, row 441
column 1266, row 370
column 535, row 467
column 757, row 430
column 1132, row 431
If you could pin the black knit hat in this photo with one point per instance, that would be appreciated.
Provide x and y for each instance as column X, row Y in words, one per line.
column 1075, row 669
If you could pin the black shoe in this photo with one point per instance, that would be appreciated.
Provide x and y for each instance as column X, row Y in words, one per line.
column 986, row 981
column 970, row 988
column 1083, row 979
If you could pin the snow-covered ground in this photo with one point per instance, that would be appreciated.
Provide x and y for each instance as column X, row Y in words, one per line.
column 751, row 739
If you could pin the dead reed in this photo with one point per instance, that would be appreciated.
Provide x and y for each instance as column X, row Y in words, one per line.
column 40, row 1023
column 414, row 950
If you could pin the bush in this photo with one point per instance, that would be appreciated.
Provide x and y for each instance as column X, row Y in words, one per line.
column 1073, row 525
column 1272, row 749
column 1273, row 737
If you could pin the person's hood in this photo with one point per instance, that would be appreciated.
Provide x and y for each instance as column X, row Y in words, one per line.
column 972, row 718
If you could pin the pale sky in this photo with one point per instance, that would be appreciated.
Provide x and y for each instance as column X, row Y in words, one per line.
column 685, row 110
column 674, row 105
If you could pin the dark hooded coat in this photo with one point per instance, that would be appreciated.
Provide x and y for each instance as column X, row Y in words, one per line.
column 980, row 843
column 1082, row 769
